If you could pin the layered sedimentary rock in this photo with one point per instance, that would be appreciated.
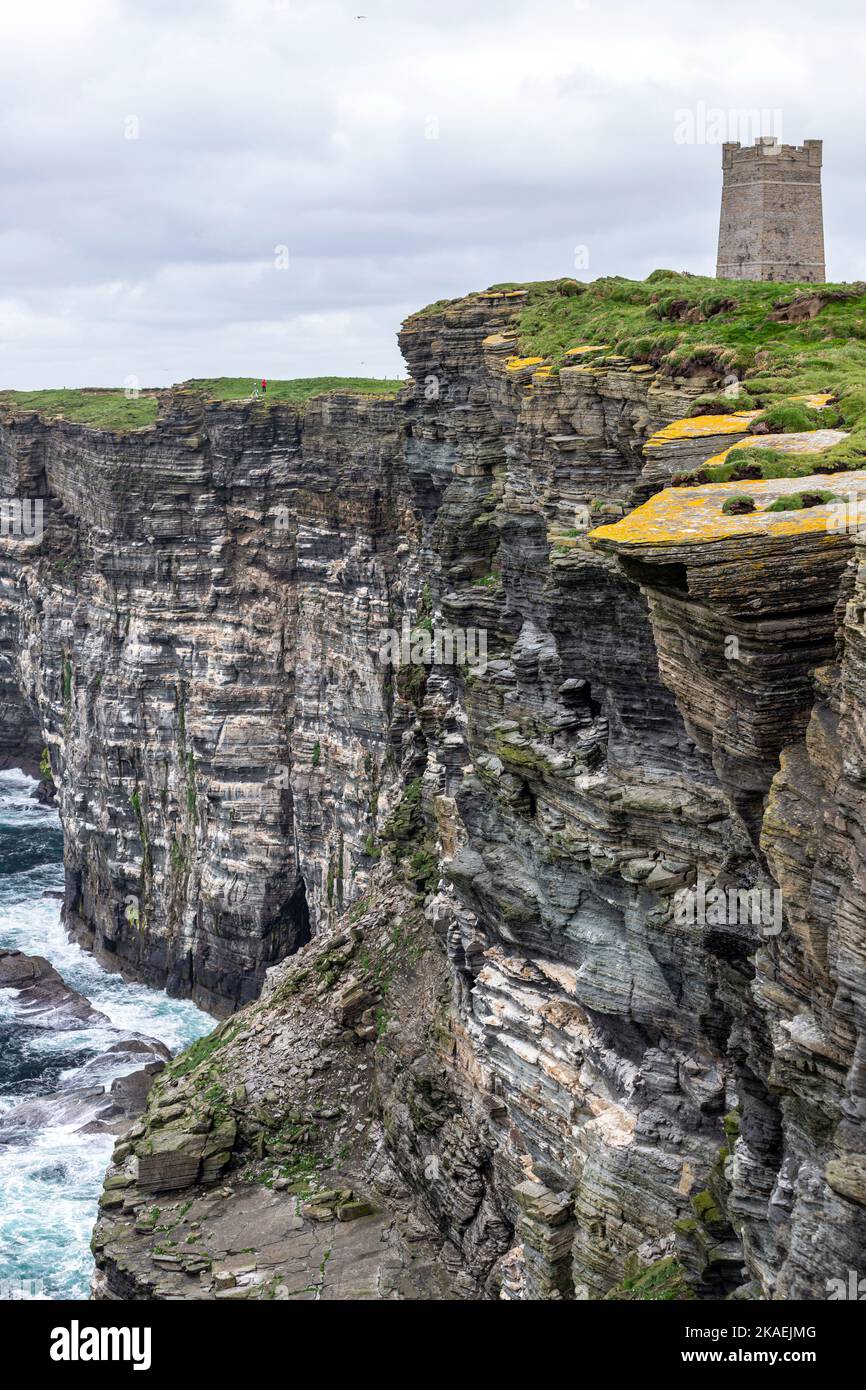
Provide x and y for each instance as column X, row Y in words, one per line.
column 743, row 609
column 171, row 633
column 760, row 602
column 505, row 1037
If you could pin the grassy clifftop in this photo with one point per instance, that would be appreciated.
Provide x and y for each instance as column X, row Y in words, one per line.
column 787, row 337
column 295, row 391
column 114, row 410
column 761, row 345
column 107, row 410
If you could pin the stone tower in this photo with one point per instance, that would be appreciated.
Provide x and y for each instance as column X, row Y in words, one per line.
column 772, row 224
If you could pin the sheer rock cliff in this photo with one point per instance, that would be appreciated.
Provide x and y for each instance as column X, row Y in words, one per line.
column 491, row 1057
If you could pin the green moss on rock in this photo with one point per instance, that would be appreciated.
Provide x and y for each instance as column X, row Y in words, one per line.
column 661, row 1282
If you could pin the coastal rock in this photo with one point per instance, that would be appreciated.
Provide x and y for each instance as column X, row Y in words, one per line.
column 45, row 1001
column 42, row 995
column 464, row 890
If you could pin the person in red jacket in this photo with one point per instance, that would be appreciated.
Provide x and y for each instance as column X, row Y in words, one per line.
column 264, row 385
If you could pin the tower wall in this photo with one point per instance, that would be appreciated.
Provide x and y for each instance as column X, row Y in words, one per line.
column 772, row 223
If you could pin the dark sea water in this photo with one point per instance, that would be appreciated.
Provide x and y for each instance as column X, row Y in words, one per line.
column 51, row 1177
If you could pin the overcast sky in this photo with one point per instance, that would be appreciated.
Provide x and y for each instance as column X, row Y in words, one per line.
column 156, row 157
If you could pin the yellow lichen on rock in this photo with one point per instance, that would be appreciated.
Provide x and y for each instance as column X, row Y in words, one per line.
column 804, row 442
column 817, row 400
column 586, row 347
column 517, row 364
column 698, row 426
column 689, row 515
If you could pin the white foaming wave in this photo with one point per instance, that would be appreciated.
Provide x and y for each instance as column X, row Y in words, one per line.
column 43, row 1044
column 19, row 806
column 12, row 779
column 28, row 888
column 49, row 1184
column 137, row 1009
column 49, row 1196
column 35, row 927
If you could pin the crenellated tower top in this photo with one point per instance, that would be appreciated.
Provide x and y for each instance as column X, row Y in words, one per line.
column 772, row 224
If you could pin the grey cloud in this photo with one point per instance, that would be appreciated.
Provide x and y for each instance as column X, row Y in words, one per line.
column 264, row 124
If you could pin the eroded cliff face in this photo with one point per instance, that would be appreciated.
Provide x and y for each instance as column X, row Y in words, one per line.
column 504, row 1037
column 174, row 633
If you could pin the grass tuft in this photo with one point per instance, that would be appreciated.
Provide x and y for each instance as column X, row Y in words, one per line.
column 796, row 501
column 739, row 505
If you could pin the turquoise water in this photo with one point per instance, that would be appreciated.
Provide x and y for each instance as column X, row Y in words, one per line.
column 50, row 1178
